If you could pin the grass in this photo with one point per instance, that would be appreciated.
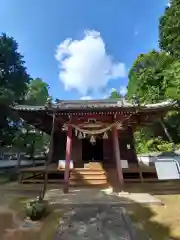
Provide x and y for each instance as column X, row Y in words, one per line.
column 159, row 222
column 3, row 179
column 8, row 176
column 49, row 224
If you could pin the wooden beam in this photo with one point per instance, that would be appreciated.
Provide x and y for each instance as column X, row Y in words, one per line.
column 117, row 155
column 49, row 158
column 68, row 159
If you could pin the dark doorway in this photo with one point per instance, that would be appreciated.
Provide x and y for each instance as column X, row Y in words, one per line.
column 92, row 152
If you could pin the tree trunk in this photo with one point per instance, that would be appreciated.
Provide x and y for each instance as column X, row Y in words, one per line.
column 168, row 135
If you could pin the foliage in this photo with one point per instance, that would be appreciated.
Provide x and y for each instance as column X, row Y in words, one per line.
column 37, row 93
column 146, row 77
column 115, row 94
column 13, row 83
column 17, row 86
column 152, row 144
column 169, row 29
column 172, row 81
column 150, row 79
column 36, row 209
column 13, row 75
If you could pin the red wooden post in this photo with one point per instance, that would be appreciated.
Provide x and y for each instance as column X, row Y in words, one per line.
column 117, row 155
column 68, row 159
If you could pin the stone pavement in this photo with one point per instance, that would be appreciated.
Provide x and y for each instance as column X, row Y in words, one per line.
column 95, row 222
column 95, row 214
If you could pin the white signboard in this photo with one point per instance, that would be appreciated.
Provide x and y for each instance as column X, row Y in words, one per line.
column 124, row 163
column 62, row 164
column 167, row 170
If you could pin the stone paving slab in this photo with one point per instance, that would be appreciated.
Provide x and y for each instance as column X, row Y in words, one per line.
column 97, row 222
column 90, row 196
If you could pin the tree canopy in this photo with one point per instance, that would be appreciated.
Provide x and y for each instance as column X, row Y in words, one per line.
column 13, row 84
column 17, row 86
column 172, row 81
column 37, row 93
column 146, row 77
column 155, row 76
column 115, row 94
column 169, row 29
column 13, row 74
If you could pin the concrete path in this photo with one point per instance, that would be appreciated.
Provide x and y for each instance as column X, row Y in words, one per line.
column 99, row 196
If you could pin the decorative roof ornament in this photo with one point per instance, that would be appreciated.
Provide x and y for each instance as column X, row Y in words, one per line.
column 48, row 102
column 120, row 102
column 105, row 135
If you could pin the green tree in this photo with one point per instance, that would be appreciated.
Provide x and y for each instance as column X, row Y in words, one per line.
column 13, row 84
column 13, row 74
column 115, row 94
column 151, row 80
column 169, row 29
column 37, row 93
column 146, row 77
column 172, row 81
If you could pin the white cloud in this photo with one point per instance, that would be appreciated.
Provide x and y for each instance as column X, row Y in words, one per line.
column 84, row 64
column 86, row 98
column 168, row 4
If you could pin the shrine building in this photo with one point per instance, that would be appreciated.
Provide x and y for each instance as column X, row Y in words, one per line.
column 92, row 141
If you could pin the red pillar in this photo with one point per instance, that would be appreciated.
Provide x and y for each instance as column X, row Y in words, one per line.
column 68, row 159
column 117, row 155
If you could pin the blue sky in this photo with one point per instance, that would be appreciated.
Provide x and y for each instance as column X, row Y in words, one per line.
column 105, row 37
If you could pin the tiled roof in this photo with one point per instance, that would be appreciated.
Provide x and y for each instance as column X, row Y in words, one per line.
column 96, row 104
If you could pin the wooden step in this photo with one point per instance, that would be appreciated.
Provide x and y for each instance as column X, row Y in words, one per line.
column 88, row 177
column 87, row 172
column 93, row 165
column 87, row 182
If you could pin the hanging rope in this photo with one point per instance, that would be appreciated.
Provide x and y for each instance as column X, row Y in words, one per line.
column 93, row 132
column 99, row 131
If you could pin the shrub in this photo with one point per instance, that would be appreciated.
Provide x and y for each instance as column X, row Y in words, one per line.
column 36, row 209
